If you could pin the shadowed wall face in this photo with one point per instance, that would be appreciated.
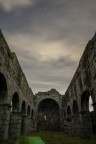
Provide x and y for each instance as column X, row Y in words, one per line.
column 48, row 115
column 3, row 89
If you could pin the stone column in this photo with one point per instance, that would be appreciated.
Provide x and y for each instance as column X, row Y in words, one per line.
column 15, row 125
column 75, row 125
column 28, row 124
column 35, row 120
column 85, row 124
column 65, row 126
column 4, row 121
column 69, row 127
column 61, row 119
column 32, row 124
column 23, row 124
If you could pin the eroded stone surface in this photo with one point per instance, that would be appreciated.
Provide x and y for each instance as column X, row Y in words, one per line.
column 82, row 86
column 22, row 112
column 14, row 90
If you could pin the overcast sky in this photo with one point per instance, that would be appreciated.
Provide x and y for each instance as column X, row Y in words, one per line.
column 48, row 37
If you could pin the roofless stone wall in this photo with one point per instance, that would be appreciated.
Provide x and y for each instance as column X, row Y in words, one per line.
column 22, row 112
column 77, row 118
column 16, row 97
column 48, row 107
column 52, row 94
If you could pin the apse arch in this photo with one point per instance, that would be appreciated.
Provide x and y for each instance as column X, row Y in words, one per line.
column 48, row 112
column 45, row 99
column 48, row 97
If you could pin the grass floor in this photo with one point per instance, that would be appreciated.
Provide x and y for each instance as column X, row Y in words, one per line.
column 51, row 137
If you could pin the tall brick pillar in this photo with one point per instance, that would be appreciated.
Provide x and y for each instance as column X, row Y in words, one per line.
column 4, row 121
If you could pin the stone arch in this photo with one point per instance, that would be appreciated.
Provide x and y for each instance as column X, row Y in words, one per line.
column 48, row 114
column 15, row 117
column 68, row 125
column 23, row 117
column 4, row 108
column 68, row 113
column 47, row 97
column 23, row 108
column 75, row 118
column 91, row 104
column 88, row 118
column 15, row 102
column 85, row 100
column 75, row 109
column 3, row 89
column 28, row 110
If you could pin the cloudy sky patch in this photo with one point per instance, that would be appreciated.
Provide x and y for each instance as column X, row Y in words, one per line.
column 9, row 5
column 49, row 37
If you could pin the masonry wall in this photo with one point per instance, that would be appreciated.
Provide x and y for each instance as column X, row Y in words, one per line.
column 48, row 106
column 14, row 91
column 82, row 86
column 19, row 106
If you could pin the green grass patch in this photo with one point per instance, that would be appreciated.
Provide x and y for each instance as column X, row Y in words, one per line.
column 30, row 140
column 51, row 137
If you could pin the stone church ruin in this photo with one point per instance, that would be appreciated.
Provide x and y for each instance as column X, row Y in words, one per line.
column 22, row 112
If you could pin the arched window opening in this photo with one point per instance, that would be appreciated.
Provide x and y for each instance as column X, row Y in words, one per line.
column 23, row 114
column 11, row 107
column 75, row 109
column 23, row 108
column 86, row 102
column 28, row 111
column 45, row 117
column 3, row 89
column 68, row 113
column 15, row 103
column 48, row 115
column 88, row 110
column 90, row 104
